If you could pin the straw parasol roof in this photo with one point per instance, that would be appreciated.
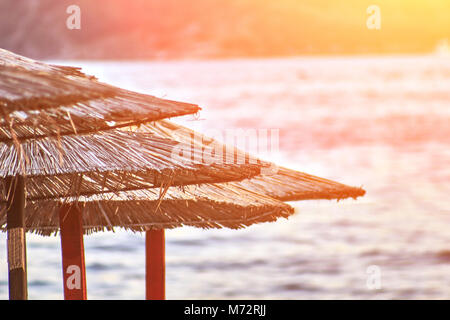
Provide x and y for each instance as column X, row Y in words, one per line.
column 283, row 184
column 38, row 99
column 90, row 116
column 23, row 89
column 110, row 162
column 208, row 206
column 291, row 185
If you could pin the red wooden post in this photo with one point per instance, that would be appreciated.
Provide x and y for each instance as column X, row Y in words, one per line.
column 74, row 270
column 155, row 273
column 17, row 255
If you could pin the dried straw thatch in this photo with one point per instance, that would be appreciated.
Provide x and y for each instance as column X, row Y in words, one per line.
column 22, row 89
column 37, row 99
column 208, row 206
column 110, row 162
column 124, row 109
column 283, row 184
column 10, row 59
column 290, row 185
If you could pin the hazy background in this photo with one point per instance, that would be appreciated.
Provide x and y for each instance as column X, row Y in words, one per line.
column 124, row 29
column 363, row 107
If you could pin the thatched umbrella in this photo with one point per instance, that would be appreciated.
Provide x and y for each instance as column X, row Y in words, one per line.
column 205, row 206
column 284, row 184
column 43, row 107
column 279, row 183
column 71, row 103
column 27, row 85
column 38, row 100
column 110, row 162
column 75, row 166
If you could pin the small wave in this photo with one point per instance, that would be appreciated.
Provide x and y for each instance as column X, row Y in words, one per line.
column 298, row 287
column 115, row 247
column 235, row 265
column 188, row 243
column 134, row 276
column 97, row 266
column 39, row 283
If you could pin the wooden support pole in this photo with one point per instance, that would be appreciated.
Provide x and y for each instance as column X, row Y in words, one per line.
column 72, row 247
column 17, row 255
column 155, row 271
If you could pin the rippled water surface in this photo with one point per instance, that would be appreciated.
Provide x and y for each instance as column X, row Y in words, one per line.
column 380, row 123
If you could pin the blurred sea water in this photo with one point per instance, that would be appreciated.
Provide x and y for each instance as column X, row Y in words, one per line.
column 378, row 122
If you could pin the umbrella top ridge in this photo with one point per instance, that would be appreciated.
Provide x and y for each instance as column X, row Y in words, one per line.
column 11, row 59
column 25, row 90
